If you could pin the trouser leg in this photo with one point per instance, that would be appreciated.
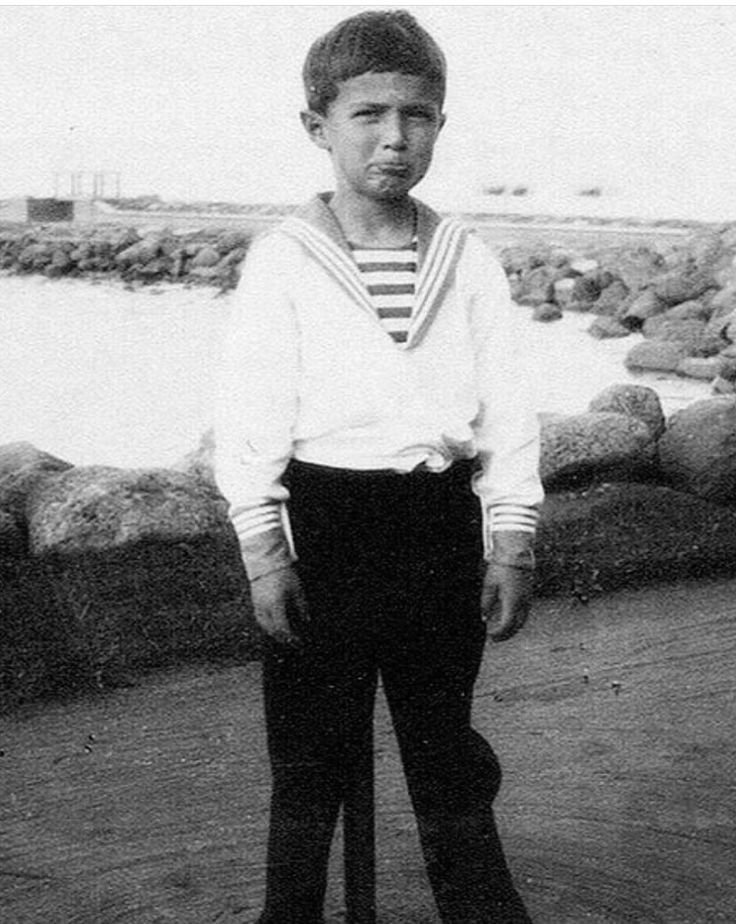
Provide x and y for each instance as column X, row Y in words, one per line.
column 430, row 654
column 316, row 701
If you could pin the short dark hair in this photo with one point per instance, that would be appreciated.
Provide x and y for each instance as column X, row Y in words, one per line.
column 374, row 41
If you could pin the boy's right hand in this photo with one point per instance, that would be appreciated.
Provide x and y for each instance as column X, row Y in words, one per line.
column 279, row 604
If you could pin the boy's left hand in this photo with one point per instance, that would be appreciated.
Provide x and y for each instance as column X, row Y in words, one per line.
column 506, row 599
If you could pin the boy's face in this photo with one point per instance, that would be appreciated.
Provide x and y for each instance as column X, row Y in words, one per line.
column 380, row 133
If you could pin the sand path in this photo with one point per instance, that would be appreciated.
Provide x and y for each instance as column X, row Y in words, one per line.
column 614, row 722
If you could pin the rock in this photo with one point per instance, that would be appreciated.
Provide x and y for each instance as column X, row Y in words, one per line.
column 617, row 535
column 611, row 299
column 694, row 310
column 12, row 538
column 22, row 468
column 229, row 240
column 688, row 333
column 547, row 312
column 578, row 448
column 205, row 256
column 727, row 364
column 100, row 508
column 637, row 268
column 635, row 401
column 140, row 253
column 35, row 257
column 655, row 355
column 583, row 266
column 604, row 327
column 563, row 289
column 676, row 287
column 537, row 286
column 585, row 292
column 707, row 368
column 723, row 386
column 644, row 306
column 724, row 301
column 698, row 449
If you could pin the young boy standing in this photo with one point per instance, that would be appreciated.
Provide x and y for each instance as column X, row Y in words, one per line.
column 382, row 474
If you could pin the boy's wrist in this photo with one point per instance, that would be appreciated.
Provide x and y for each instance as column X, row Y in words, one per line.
column 265, row 553
column 513, row 549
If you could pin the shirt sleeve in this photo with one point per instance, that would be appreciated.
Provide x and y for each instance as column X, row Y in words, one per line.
column 255, row 409
column 507, row 427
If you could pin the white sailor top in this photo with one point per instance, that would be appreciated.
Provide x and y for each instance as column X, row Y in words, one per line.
column 309, row 372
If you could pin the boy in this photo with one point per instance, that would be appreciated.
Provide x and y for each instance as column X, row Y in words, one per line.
column 374, row 448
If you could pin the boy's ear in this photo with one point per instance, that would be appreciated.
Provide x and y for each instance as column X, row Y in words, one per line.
column 314, row 125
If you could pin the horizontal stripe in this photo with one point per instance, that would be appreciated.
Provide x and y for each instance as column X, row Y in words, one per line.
column 388, row 312
column 410, row 266
column 405, row 289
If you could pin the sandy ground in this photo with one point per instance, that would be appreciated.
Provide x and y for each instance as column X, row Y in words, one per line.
column 614, row 722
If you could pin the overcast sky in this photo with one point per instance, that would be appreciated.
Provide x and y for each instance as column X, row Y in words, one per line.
column 199, row 102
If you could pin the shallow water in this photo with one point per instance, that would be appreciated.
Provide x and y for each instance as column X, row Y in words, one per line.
column 97, row 374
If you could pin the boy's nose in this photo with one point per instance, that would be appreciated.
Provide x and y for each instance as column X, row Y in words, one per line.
column 394, row 131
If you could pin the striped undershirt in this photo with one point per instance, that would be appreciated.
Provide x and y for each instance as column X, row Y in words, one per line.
column 389, row 276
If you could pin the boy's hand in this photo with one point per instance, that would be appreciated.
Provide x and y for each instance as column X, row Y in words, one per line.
column 506, row 599
column 279, row 604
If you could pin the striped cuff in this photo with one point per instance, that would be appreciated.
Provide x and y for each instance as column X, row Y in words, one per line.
column 508, row 536
column 513, row 517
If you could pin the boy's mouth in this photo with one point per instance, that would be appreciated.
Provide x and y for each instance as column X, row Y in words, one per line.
column 392, row 169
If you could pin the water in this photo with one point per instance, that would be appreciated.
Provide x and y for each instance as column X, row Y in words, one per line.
column 97, row 374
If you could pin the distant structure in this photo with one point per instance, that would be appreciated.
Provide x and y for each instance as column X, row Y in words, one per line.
column 85, row 184
column 76, row 194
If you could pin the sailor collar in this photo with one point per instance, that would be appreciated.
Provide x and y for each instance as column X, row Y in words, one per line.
column 439, row 243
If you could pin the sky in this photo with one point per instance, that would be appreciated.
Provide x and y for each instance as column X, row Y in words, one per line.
column 202, row 102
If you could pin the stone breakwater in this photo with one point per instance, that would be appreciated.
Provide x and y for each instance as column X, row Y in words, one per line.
column 209, row 256
column 108, row 572
column 681, row 297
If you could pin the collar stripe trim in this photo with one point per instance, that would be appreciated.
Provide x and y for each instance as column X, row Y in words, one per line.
column 332, row 259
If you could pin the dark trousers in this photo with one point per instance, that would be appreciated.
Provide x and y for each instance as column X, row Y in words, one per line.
column 391, row 567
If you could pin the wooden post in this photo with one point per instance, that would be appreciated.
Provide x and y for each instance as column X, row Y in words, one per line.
column 359, row 832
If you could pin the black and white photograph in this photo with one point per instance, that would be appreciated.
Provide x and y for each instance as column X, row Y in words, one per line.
column 367, row 464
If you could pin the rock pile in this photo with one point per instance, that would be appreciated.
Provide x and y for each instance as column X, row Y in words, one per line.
column 105, row 572
column 208, row 256
column 683, row 300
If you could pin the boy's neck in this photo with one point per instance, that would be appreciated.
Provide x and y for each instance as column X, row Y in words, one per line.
column 375, row 223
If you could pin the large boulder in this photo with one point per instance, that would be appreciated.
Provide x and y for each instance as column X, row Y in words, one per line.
column 580, row 448
column 616, row 535
column 689, row 333
column 655, row 356
column 611, row 299
column 102, row 508
column 23, row 468
column 142, row 568
column 707, row 368
column 634, row 400
column 698, row 449
column 636, row 267
column 677, row 286
column 537, row 286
